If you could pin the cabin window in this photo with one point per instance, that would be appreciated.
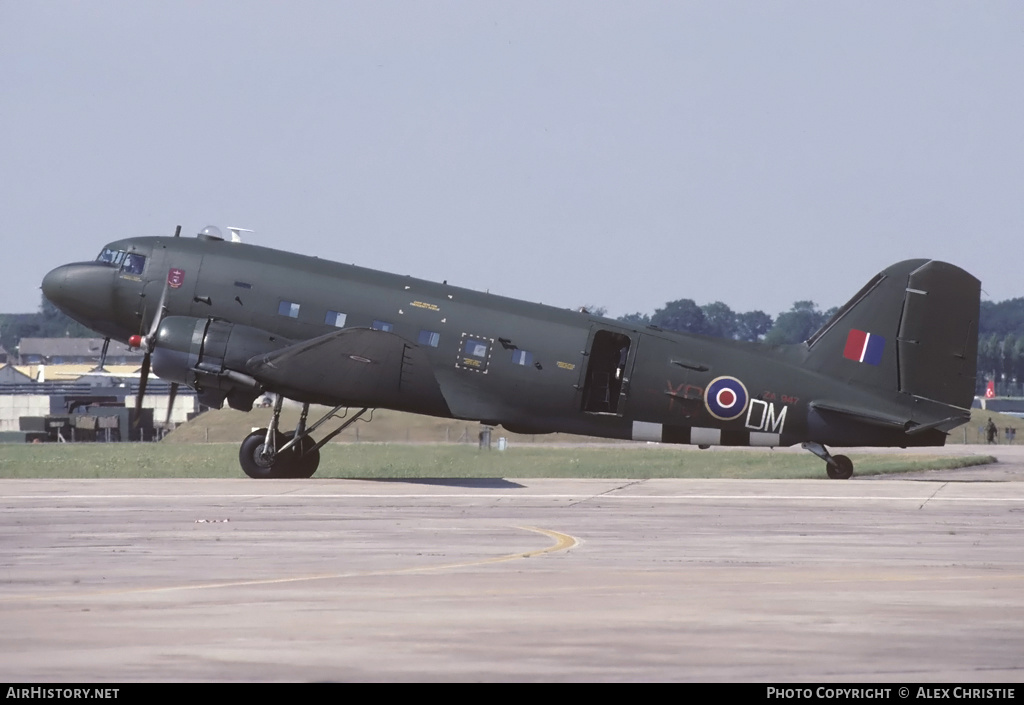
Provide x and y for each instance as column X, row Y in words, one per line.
column 133, row 263
column 475, row 353
column 383, row 325
column 429, row 337
column 288, row 308
column 522, row 357
column 243, row 285
column 335, row 318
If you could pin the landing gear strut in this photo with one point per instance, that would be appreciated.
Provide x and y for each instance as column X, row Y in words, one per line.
column 268, row 453
column 838, row 467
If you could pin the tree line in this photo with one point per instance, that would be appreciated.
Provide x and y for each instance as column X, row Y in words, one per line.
column 48, row 322
column 1001, row 346
column 719, row 321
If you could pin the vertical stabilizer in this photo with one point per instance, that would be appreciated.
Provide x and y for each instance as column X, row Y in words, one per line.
column 913, row 329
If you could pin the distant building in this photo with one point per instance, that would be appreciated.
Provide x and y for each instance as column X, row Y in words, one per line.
column 79, row 373
column 62, row 398
column 11, row 375
column 57, row 379
column 74, row 351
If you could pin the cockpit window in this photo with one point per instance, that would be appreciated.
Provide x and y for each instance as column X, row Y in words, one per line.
column 133, row 263
column 129, row 262
column 109, row 256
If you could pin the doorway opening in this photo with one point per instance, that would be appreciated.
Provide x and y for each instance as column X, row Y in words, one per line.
column 602, row 388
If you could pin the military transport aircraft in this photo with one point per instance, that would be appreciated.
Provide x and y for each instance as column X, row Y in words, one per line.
column 895, row 366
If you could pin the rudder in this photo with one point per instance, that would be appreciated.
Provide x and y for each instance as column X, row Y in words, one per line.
column 938, row 338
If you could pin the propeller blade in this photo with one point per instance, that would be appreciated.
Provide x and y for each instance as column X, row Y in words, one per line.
column 143, row 379
column 170, row 403
column 157, row 317
column 147, row 344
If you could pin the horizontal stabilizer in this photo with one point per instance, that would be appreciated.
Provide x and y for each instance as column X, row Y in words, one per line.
column 874, row 417
column 868, row 416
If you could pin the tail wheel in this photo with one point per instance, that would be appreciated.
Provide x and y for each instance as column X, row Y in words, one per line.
column 841, row 468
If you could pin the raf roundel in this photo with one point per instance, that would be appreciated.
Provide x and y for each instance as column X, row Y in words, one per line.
column 726, row 398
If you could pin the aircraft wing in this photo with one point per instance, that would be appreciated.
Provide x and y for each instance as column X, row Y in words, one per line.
column 357, row 366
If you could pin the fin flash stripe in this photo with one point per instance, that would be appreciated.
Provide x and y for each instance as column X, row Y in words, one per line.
column 864, row 347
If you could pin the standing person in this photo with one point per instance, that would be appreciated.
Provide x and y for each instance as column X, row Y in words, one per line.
column 991, row 430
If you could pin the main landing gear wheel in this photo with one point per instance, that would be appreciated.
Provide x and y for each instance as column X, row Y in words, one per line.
column 258, row 461
column 841, row 468
column 263, row 453
column 303, row 458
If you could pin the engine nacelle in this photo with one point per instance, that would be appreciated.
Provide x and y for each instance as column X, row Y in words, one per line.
column 207, row 354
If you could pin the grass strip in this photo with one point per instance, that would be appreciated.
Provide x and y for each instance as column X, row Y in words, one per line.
column 396, row 461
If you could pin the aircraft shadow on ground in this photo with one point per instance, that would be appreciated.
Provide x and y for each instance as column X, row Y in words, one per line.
column 490, row 483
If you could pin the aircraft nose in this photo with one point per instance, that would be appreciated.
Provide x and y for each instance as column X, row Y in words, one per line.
column 53, row 284
column 83, row 291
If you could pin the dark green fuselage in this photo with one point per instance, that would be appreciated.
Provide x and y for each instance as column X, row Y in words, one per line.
column 446, row 351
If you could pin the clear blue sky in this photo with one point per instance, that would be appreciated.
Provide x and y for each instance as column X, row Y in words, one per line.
column 608, row 153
